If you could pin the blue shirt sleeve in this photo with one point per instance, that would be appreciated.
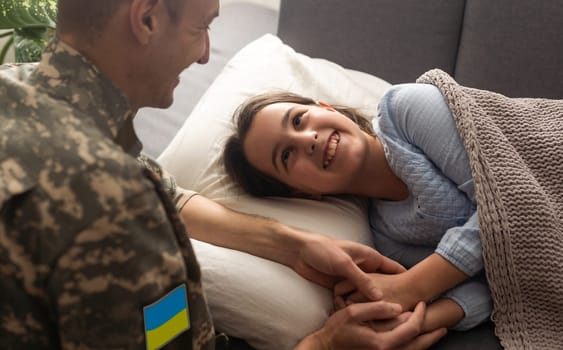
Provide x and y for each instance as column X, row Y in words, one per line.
column 474, row 297
column 422, row 119
column 416, row 119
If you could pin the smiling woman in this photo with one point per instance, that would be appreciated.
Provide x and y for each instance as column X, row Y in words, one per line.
column 260, row 181
column 288, row 145
column 415, row 171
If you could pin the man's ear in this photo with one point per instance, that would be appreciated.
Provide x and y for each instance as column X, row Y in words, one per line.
column 144, row 18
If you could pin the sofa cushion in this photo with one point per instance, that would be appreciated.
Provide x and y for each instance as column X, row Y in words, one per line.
column 394, row 40
column 513, row 47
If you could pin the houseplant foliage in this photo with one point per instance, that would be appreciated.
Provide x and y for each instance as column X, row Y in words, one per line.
column 30, row 25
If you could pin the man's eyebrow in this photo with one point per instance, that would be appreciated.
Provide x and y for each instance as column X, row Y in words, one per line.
column 284, row 122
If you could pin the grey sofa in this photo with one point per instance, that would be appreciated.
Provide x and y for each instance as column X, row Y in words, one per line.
column 514, row 47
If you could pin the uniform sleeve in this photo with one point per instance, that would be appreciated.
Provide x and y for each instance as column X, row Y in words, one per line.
column 179, row 195
column 422, row 118
column 125, row 258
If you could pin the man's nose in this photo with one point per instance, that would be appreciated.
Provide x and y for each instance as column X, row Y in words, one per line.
column 205, row 56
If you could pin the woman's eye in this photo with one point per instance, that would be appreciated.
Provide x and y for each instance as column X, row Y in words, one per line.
column 297, row 120
column 285, row 156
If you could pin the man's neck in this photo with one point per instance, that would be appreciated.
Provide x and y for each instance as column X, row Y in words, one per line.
column 107, row 56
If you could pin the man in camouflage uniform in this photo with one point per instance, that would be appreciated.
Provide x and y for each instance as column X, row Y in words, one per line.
column 89, row 238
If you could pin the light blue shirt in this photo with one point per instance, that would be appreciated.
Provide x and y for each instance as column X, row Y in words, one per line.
column 424, row 149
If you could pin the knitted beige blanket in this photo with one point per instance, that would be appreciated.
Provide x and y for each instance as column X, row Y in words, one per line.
column 515, row 147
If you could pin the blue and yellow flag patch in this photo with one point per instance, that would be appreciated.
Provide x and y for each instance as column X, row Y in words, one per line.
column 166, row 318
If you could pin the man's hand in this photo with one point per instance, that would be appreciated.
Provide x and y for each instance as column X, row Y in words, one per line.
column 326, row 260
column 349, row 328
column 318, row 258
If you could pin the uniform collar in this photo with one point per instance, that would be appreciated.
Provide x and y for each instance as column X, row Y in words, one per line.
column 67, row 75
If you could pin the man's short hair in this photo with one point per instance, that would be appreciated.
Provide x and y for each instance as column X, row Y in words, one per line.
column 89, row 17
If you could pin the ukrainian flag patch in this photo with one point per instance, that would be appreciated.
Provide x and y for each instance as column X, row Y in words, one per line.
column 166, row 318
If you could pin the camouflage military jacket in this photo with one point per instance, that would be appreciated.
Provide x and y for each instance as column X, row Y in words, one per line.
column 93, row 254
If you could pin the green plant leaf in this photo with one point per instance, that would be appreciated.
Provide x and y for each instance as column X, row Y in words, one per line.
column 6, row 47
column 30, row 42
column 5, row 34
column 33, row 22
column 27, row 13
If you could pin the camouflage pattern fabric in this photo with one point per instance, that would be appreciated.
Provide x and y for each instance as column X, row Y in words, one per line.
column 179, row 195
column 88, row 237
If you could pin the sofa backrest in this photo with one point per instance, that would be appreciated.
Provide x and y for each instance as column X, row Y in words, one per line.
column 514, row 47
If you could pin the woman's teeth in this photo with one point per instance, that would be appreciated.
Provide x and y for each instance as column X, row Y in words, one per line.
column 331, row 148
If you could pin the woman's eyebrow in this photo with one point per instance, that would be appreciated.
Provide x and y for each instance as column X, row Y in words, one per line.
column 286, row 115
column 284, row 122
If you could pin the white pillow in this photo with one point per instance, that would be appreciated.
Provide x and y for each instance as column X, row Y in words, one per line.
column 266, row 303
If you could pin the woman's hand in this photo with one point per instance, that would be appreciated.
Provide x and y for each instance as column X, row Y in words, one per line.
column 394, row 289
column 325, row 260
column 426, row 280
column 355, row 327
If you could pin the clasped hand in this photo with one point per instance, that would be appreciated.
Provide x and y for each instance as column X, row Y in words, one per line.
column 374, row 324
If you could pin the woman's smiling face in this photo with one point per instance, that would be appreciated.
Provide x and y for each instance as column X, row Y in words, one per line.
column 312, row 148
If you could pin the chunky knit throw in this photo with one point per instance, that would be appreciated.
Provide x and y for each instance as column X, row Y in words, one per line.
column 515, row 146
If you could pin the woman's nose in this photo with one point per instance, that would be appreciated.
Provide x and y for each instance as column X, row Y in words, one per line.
column 308, row 141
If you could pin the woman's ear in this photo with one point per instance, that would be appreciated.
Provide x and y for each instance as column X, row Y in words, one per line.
column 325, row 106
column 144, row 18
